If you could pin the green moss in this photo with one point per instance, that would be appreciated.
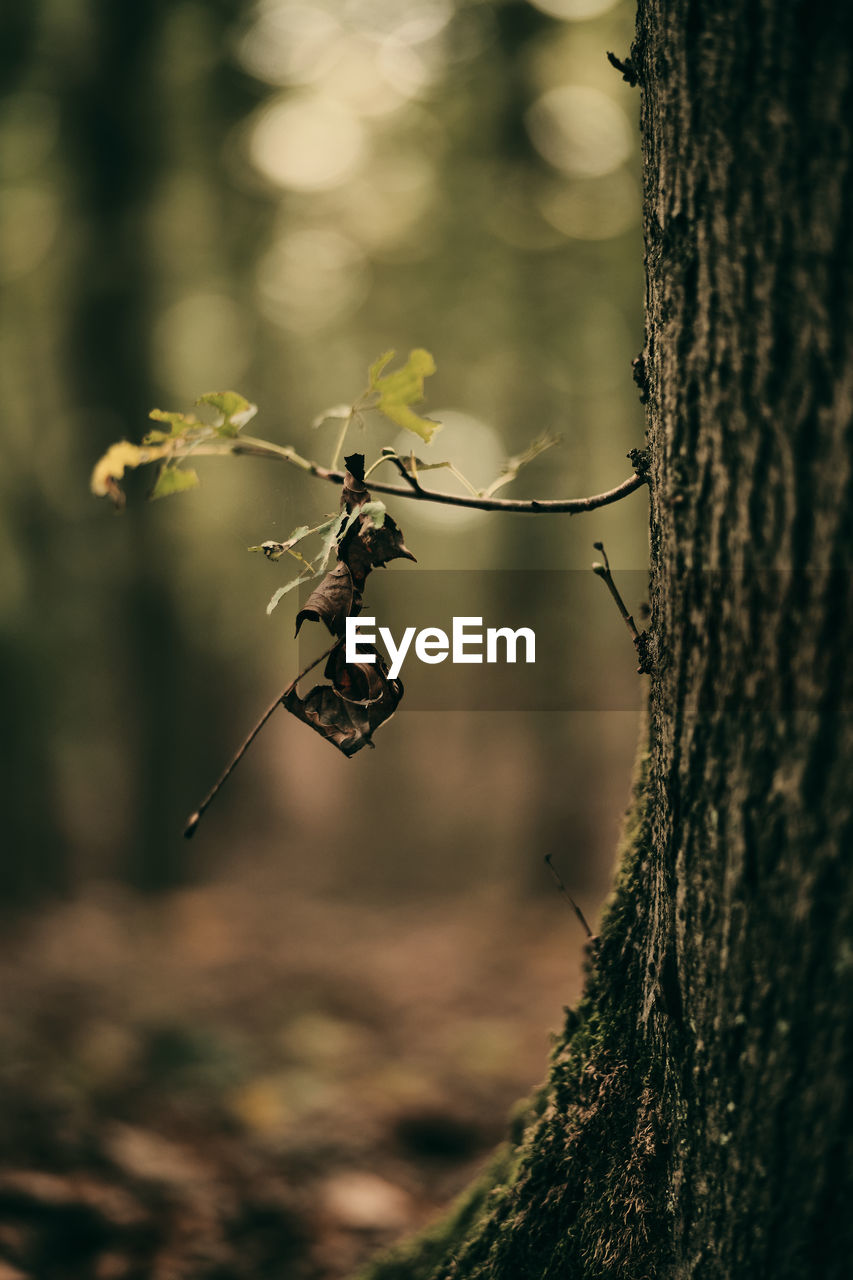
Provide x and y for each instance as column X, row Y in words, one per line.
column 574, row 1191
column 420, row 1257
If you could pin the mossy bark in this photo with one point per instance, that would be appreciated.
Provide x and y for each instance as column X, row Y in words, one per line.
column 697, row 1120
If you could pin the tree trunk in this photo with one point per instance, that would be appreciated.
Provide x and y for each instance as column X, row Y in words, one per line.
column 697, row 1120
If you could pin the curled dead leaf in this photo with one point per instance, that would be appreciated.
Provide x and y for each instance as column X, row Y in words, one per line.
column 361, row 682
column 332, row 602
column 330, row 709
column 367, row 546
column 384, row 542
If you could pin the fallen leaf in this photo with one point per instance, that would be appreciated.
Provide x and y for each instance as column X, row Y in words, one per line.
column 365, row 1202
column 143, row 1154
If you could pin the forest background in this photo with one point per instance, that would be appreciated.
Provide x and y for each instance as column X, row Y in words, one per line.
column 325, row 1005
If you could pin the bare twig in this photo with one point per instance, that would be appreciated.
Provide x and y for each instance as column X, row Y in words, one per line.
column 564, row 891
column 625, row 66
column 411, row 481
column 195, row 818
column 640, row 638
column 414, row 489
column 603, row 571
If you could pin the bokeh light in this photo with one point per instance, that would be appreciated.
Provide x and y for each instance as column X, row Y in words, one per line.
column 593, row 208
column 575, row 10
column 475, row 449
column 309, row 143
column 580, row 130
column 311, row 278
column 202, row 343
column 290, row 44
column 29, row 221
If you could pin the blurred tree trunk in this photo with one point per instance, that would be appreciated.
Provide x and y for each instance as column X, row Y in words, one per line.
column 697, row 1121
column 35, row 861
column 116, row 127
column 120, row 132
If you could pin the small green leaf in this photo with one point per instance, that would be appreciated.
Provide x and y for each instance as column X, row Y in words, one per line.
column 399, row 390
column 282, row 591
column 178, row 423
column 375, row 509
column 331, row 531
column 275, row 550
column 337, row 412
column 173, row 480
column 235, row 410
column 376, row 368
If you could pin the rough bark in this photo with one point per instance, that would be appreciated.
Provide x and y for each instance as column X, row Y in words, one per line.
column 697, row 1119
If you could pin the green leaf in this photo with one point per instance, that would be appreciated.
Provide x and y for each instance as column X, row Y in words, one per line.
column 399, row 390
column 178, row 422
column 337, row 412
column 282, row 591
column 275, row 550
column 331, row 531
column 375, row 509
column 234, row 410
column 173, row 480
column 376, row 368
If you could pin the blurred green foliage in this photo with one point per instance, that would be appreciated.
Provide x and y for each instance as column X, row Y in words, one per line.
column 266, row 195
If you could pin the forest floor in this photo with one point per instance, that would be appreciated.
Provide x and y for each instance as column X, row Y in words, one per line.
column 197, row 1088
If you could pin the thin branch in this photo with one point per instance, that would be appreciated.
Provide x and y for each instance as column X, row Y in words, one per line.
column 564, row 891
column 625, row 66
column 640, row 638
column 603, row 571
column 249, row 447
column 195, row 818
column 412, row 481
